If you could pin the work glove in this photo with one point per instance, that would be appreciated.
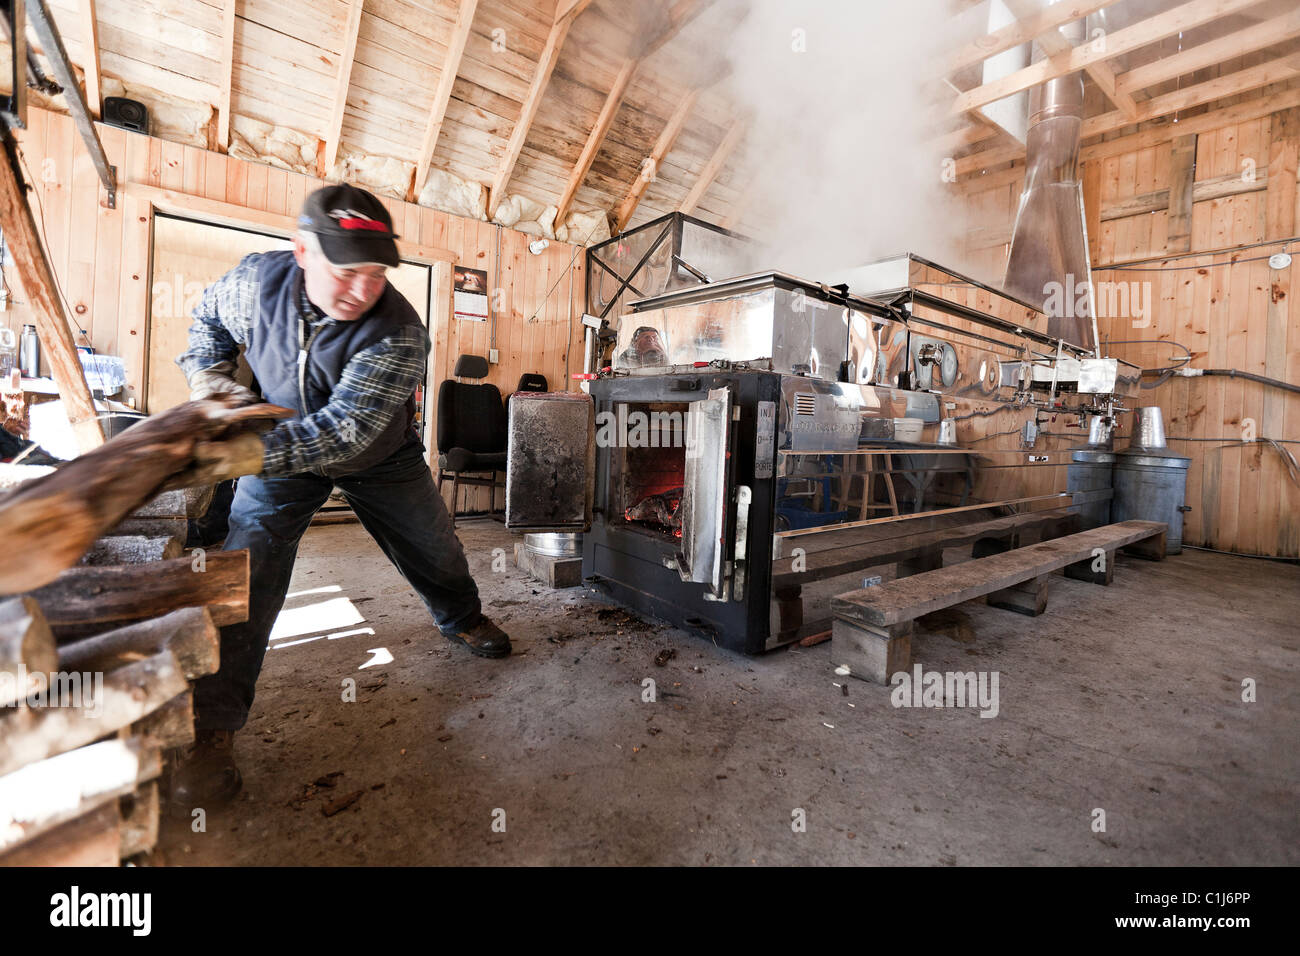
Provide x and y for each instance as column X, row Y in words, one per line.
column 218, row 460
column 219, row 380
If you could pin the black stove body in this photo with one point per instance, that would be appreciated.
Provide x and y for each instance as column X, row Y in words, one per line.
column 699, row 555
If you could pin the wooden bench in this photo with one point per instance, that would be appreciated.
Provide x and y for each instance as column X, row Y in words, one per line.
column 856, row 549
column 872, row 629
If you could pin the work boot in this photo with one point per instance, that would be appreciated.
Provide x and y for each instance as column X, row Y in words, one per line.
column 207, row 777
column 484, row 639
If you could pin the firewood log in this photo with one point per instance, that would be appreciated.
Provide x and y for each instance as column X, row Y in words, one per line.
column 189, row 633
column 133, row 549
column 48, row 523
column 111, row 702
column 44, row 795
column 26, row 645
column 92, row 840
column 84, row 601
column 171, row 725
column 140, row 813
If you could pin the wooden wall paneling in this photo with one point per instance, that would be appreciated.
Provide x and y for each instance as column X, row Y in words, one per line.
column 214, row 176
column 277, row 189
column 255, row 185
column 1238, row 320
column 134, row 291
column 193, row 172
column 172, row 173
column 1253, row 506
column 79, row 279
column 519, row 297
column 109, row 228
column 54, row 213
column 1288, row 532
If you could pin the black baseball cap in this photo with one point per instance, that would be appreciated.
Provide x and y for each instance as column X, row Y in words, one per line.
column 353, row 227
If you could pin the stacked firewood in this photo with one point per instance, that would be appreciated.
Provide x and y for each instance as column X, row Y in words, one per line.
column 102, row 641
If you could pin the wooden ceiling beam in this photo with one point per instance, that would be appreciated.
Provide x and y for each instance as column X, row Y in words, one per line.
column 1021, row 31
column 334, row 131
column 1150, row 30
column 90, row 64
column 1238, row 43
column 1053, row 43
column 650, row 165
column 714, row 166
column 1276, row 70
column 528, row 111
column 442, row 96
column 680, row 14
column 596, row 137
column 227, row 74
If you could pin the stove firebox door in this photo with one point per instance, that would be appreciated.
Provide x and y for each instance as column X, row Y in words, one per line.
column 702, row 554
column 550, row 462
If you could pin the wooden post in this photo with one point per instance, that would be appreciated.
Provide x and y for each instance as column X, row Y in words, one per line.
column 1182, row 177
column 871, row 653
column 1028, row 597
column 37, row 279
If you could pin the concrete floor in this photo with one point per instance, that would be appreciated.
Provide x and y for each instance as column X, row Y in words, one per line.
column 1127, row 699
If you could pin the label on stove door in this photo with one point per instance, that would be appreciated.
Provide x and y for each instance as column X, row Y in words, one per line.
column 765, row 440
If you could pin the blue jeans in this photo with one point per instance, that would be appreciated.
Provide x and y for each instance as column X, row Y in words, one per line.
column 396, row 501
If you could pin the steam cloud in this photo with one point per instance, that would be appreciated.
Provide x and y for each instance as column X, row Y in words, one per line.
column 841, row 146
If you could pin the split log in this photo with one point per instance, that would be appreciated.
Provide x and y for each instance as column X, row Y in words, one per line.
column 85, row 601
column 140, row 813
column 152, row 527
column 44, row 795
column 133, row 549
column 113, row 701
column 178, row 503
column 171, row 725
column 48, row 523
column 189, row 633
column 26, row 646
column 93, row 840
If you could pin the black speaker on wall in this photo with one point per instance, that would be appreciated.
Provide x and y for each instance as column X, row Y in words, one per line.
column 128, row 114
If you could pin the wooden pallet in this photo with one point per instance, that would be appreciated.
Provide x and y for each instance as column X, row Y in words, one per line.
column 872, row 631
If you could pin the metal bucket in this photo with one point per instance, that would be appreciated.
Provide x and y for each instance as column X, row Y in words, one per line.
column 1089, row 478
column 1148, row 428
column 556, row 545
column 1152, row 487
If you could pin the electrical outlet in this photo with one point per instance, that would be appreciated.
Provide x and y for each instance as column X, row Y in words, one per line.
column 493, row 356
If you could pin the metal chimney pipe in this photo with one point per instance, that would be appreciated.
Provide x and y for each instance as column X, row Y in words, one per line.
column 1048, row 265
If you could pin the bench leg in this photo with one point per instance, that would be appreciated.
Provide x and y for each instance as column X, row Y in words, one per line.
column 1028, row 598
column 1085, row 570
column 872, row 653
column 1153, row 549
column 789, row 603
column 987, row 546
column 929, row 561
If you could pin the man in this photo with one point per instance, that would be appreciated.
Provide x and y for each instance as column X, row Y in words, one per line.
column 328, row 337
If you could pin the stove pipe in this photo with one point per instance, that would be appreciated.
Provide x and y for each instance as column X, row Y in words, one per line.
column 1048, row 265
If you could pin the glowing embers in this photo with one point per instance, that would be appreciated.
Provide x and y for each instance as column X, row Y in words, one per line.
column 662, row 510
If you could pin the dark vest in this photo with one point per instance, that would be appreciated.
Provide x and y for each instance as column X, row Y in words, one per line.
column 274, row 339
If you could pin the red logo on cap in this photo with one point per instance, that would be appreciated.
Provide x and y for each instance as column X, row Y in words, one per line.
column 351, row 219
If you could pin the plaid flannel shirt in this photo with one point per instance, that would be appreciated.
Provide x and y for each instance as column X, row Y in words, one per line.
column 375, row 383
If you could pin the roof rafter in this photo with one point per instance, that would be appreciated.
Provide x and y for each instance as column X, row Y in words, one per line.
column 650, row 165
column 334, row 131
column 90, row 64
column 1182, row 17
column 442, row 96
column 528, row 111
column 227, row 73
